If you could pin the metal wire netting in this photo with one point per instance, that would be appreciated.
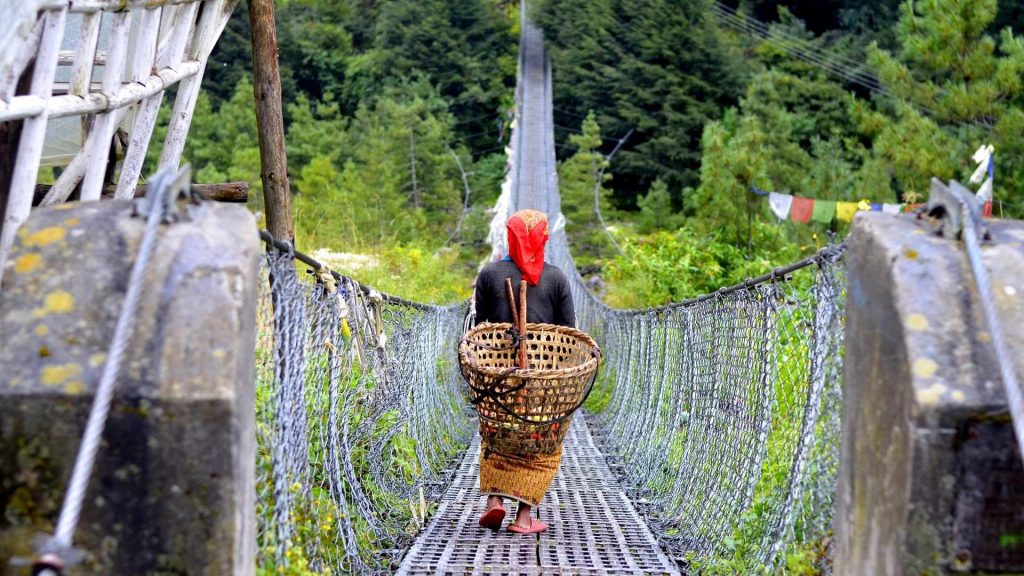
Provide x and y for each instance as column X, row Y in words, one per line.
column 360, row 409
column 722, row 414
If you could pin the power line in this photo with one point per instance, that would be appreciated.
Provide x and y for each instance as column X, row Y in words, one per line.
column 831, row 62
column 578, row 131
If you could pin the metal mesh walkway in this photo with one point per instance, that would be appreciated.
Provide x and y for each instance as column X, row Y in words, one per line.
column 593, row 527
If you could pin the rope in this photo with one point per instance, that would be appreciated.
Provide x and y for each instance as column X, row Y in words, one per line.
column 157, row 203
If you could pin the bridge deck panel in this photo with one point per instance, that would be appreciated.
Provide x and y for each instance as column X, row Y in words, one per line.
column 594, row 527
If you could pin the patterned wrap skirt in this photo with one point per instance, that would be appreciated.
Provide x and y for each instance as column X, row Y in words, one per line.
column 522, row 478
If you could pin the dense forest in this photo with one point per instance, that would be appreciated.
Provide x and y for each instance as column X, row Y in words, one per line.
column 397, row 109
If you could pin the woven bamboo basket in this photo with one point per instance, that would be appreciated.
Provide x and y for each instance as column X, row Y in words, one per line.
column 527, row 411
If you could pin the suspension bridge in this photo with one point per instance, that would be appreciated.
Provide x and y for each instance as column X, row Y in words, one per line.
column 703, row 390
column 715, row 422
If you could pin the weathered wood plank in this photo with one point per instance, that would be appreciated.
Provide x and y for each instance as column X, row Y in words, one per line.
column 67, row 105
column 81, row 71
column 87, row 6
column 225, row 192
column 18, row 56
column 211, row 23
column 145, row 120
column 99, row 147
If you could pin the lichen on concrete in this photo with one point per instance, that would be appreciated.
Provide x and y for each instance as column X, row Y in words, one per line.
column 183, row 412
column 919, row 373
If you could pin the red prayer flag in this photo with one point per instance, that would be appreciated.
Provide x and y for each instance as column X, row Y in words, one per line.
column 801, row 209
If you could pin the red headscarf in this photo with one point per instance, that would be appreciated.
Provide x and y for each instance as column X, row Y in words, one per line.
column 527, row 235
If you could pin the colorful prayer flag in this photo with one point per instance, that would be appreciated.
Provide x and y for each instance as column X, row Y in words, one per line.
column 801, row 209
column 824, row 211
column 780, row 204
column 845, row 211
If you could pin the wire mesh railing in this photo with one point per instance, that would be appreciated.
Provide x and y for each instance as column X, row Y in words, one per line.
column 360, row 410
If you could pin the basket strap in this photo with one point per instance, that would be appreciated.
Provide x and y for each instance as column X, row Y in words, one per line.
column 482, row 393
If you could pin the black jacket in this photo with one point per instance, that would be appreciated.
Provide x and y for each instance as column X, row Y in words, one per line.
column 549, row 302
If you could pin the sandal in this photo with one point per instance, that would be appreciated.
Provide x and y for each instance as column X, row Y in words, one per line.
column 536, row 527
column 493, row 518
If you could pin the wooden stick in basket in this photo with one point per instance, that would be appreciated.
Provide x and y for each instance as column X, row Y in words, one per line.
column 512, row 302
column 522, row 323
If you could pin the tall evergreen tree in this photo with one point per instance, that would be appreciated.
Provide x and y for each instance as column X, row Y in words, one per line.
column 970, row 86
column 661, row 67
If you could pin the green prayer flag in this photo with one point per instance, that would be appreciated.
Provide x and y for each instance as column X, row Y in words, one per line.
column 824, row 211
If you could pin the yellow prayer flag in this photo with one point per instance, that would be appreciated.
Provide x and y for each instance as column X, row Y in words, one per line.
column 846, row 210
column 864, row 205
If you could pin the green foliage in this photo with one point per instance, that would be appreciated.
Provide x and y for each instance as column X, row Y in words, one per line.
column 672, row 266
column 577, row 177
column 396, row 181
column 969, row 84
column 661, row 67
column 439, row 277
column 656, row 210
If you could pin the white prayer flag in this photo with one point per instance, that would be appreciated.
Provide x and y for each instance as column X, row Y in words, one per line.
column 981, row 157
column 780, row 204
column 985, row 192
column 892, row 208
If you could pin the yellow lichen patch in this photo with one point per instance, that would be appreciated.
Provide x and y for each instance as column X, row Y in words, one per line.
column 218, row 353
column 957, row 396
column 930, row 395
column 925, row 367
column 97, row 359
column 74, row 387
column 59, row 302
column 71, row 222
column 984, row 337
column 54, row 375
column 46, row 236
column 42, row 330
column 27, row 263
column 910, row 254
column 917, row 322
column 64, row 206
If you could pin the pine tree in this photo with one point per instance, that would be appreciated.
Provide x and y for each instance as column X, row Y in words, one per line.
column 577, row 177
column 970, row 87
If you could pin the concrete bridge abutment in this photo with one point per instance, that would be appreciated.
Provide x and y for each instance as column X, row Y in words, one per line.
column 173, row 487
column 931, row 480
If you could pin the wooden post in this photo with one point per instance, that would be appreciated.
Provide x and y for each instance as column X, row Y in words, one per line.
column 269, row 120
column 522, row 324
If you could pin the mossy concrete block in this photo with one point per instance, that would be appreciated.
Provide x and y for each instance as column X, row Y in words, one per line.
column 173, row 487
column 918, row 491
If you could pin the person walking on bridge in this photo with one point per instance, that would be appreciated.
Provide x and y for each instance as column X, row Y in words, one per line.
column 522, row 478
